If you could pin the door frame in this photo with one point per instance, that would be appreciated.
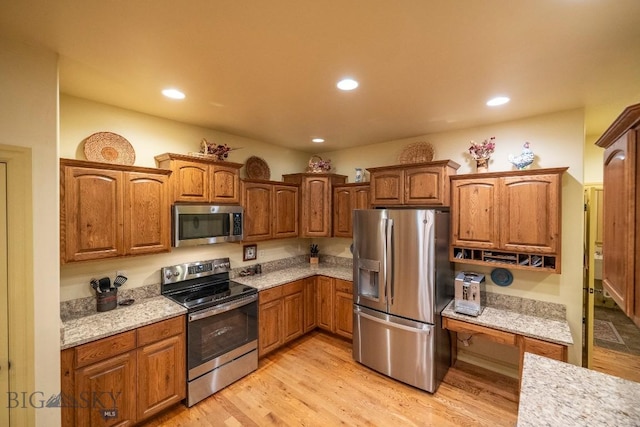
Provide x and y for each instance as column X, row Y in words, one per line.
column 590, row 232
column 21, row 327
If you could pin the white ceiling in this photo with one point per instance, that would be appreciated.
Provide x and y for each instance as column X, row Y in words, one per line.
column 267, row 69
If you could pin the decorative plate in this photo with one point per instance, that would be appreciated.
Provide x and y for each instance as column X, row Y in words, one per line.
column 257, row 168
column 501, row 277
column 108, row 147
column 418, row 152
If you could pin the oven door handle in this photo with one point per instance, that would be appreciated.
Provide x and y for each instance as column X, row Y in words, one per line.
column 223, row 308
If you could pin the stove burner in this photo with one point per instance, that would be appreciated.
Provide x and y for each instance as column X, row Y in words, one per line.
column 202, row 284
column 206, row 295
column 200, row 296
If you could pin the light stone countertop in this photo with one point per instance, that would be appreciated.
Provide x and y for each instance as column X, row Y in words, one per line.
column 147, row 311
column 286, row 275
column 124, row 318
column 554, row 393
column 543, row 328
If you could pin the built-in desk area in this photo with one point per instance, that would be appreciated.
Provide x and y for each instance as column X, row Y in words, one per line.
column 547, row 333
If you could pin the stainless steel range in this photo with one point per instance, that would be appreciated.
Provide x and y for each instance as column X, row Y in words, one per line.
column 222, row 324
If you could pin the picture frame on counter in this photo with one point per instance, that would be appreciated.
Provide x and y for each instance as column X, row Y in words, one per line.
column 249, row 252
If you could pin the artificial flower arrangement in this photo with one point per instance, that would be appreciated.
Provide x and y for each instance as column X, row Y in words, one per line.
column 318, row 165
column 484, row 150
column 221, row 151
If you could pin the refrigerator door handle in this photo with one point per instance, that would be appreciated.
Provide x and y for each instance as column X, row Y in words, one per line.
column 424, row 330
column 388, row 261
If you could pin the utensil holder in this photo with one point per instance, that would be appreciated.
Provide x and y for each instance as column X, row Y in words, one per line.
column 107, row 300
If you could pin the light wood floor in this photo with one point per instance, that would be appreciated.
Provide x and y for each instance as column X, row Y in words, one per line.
column 616, row 363
column 314, row 382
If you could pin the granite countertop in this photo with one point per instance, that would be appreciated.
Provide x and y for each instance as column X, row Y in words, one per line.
column 95, row 326
column 544, row 328
column 101, row 325
column 286, row 275
column 554, row 393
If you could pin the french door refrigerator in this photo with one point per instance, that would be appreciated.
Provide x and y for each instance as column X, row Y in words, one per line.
column 402, row 281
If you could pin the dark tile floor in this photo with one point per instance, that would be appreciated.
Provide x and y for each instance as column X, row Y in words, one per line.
column 628, row 331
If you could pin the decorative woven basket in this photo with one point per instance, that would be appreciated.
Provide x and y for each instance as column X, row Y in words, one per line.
column 418, row 152
column 256, row 168
column 317, row 165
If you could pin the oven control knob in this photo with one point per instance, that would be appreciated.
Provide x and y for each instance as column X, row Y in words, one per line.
column 176, row 273
column 168, row 274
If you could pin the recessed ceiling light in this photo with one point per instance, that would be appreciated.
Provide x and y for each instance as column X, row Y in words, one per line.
column 173, row 93
column 347, row 84
column 317, row 140
column 498, row 100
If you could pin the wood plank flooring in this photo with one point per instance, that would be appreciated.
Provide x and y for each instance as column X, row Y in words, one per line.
column 620, row 364
column 315, row 382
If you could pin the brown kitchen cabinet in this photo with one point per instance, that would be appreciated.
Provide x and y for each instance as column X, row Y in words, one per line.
column 202, row 180
column 346, row 198
column 110, row 211
column 110, row 383
column 325, row 305
column 122, row 372
column 285, row 211
column 310, row 304
column 288, row 311
column 316, row 191
column 160, row 357
column 343, row 310
column 271, row 321
column 280, row 316
column 621, row 183
column 335, row 306
column 293, row 305
column 417, row 184
column 270, row 210
column 508, row 218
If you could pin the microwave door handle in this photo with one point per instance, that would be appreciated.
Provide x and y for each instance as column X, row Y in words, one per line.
column 388, row 261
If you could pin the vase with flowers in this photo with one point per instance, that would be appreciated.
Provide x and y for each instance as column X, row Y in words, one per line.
column 318, row 165
column 482, row 152
column 219, row 151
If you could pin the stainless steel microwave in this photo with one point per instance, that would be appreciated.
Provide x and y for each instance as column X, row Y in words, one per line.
column 206, row 224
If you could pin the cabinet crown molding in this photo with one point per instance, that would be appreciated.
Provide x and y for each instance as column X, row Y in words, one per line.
column 210, row 161
column 629, row 118
column 449, row 163
column 112, row 166
column 527, row 172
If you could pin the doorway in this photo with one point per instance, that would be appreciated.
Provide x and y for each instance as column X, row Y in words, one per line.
column 611, row 339
column 5, row 386
column 16, row 284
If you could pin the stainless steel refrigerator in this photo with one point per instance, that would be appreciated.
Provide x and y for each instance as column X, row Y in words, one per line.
column 402, row 281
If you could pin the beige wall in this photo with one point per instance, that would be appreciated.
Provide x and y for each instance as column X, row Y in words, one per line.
column 29, row 118
column 149, row 137
column 145, row 270
column 593, row 161
column 557, row 140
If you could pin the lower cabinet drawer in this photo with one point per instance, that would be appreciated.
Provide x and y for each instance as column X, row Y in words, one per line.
column 472, row 329
column 544, row 348
column 105, row 348
column 160, row 330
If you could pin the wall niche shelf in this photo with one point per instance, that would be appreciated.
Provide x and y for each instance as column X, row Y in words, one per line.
column 514, row 260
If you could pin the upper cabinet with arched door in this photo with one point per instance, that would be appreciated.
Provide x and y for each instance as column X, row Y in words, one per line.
column 621, row 212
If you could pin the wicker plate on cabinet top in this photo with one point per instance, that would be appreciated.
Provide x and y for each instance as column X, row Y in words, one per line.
column 418, row 152
column 257, row 168
column 109, row 147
